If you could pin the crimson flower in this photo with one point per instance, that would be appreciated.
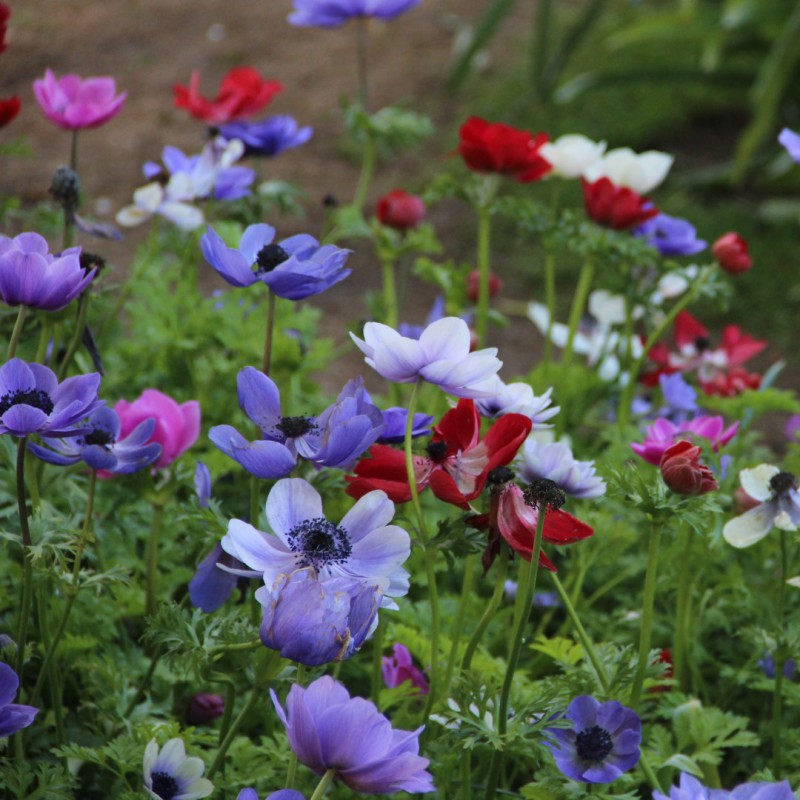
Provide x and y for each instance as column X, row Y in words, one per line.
column 616, row 207
column 5, row 13
column 512, row 519
column 682, row 471
column 496, row 147
column 9, row 108
column 473, row 285
column 242, row 93
column 400, row 210
column 732, row 254
column 457, row 463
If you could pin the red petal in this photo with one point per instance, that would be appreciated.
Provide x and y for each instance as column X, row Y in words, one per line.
column 688, row 330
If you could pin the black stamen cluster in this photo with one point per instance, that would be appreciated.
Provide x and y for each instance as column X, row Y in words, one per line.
column 292, row 427
column 593, row 744
column 437, row 451
column 99, row 436
column 782, row 483
column 164, row 785
column 90, row 260
column 29, row 397
column 320, row 543
column 269, row 257
column 544, row 493
column 500, row 475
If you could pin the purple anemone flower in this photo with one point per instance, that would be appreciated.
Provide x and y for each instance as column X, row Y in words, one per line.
column 671, row 236
column 316, row 622
column 213, row 583
column 363, row 545
column 555, row 462
column 33, row 401
column 13, row 717
column 328, row 729
column 269, row 136
column 336, row 438
column 680, row 397
column 602, row 743
column 441, row 356
column 396, row 418
column 281, row 794
column 169, row 775
column 295, row 268
column 99, row 446
column 31, row 276
column 333, row 13
column 791, row 141
column 689, row 788
column 767, row 664
column 202, row 484
column 399, row 668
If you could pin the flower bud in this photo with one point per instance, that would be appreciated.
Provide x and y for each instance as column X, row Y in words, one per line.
column 204, row 708
column 400, row 210
column 731, row 253
column 474, row 281
column 66, row 188
column 682, row 471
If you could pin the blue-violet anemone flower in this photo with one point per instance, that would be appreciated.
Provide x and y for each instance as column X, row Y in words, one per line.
column 13, row 717
column 31, row 276
column 517, row 398
column 99, row 445
column 328, row 729
column 671, row 236
column 363, row 545
column 295, row 268
column 269, row 136
column 441, row 356
column 317, row 622
column 33, row 401
column 602, row 743
column 281, row 794
column 333, row 13
column 395, row 420
column 212, row 585
column 689, row 788
column 791, row 141
column 170, row 775
column 556, row 463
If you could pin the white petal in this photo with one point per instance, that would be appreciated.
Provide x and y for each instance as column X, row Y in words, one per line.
column 446, row 339
column 756, row 481
column 292, row 501
column 750, row 527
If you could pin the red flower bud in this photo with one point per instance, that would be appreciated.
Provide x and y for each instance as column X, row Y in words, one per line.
column 473, row 285
column 400, row 210
column 731, row 252
column 9, row 108
column 616, row 207
column 204, row 708
column 664, row 657
column 682, row 471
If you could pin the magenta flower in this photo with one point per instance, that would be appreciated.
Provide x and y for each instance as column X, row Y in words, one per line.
column 662, row 434
column 177, row 426
column 74, row 103
column 399, row 668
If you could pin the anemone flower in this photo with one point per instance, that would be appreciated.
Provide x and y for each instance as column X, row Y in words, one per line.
column 33, row 401
column 13, row 716
column 169, row 775
column 663, row 433
column 333, row 13
column 295, row 268
column 31, row 276
column 267, row 137
column 641, row 172
column 555, row 462
column 517, row 398
column 328, row 729
column 363, row 545
column 671, row 236
column 603, row 742
column 399, row 668
column 75, row 103
column 689, row 788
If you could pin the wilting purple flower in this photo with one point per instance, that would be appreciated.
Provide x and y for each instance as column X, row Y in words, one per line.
column 516, row 398
column 333, row 13
column 791, row 141
column 396, row 419
column 399, row 668
column 204, row 708
column 211, row 586
column 328, row 729
column 13, row 717
column 295, row 268
column 767, row 664
column 31, row 276
column 671, row 236
column 441, row 356
column 689, row 788
column 336, row 438
column 269, row 136
column 602, row 743
column 202, row 484
column 363, row 545
column 316, row 622
column 170, row 775
column 556, row 463
column 33, row 401
column 99, row 445
column 663, row 433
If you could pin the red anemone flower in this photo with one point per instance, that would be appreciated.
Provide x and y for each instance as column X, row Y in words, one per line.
column 616, row 207
column 457, row 463
column 9, row 108
column 242, row 93
column 5, row 13
column 682, row 471
column 511, row 518
column 496, row 147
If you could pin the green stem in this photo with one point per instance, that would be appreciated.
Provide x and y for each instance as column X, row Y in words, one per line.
column 232, row 731
column 367, row 169
column 649, row 773
column 550, row 299
column 489, row 614
column 16, row 333
column 647, row 616
column 80, row 324
column 682, row 621
column 578, row 304
column 27, row 544
column 466, row 596
column 266, row 362
column 73, row 151
column 322, row 786
column 227, row 714
column 152, row 560
column 780, row 660
column 586, row 642
column 484, row 238
column 44, row 338
column 390, row 309
column 145, row 682
column 526, row 586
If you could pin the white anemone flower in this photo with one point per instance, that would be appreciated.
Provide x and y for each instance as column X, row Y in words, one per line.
column 170, row 202
column 641, row 172
column 779, row 506
column 516, row 398
column 170, row 775
column 572, row 154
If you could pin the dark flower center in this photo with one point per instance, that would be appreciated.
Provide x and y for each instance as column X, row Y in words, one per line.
column 437, row 451
column 292, row 427
column 500, row 475
column 593, row 744
column 90, row 260
column 782, row 483
column 164, row 785
column 544, row 493
column 99, row 436
column 269, row 256
column 702, row 343
column 29, row 397
column 320, row 543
